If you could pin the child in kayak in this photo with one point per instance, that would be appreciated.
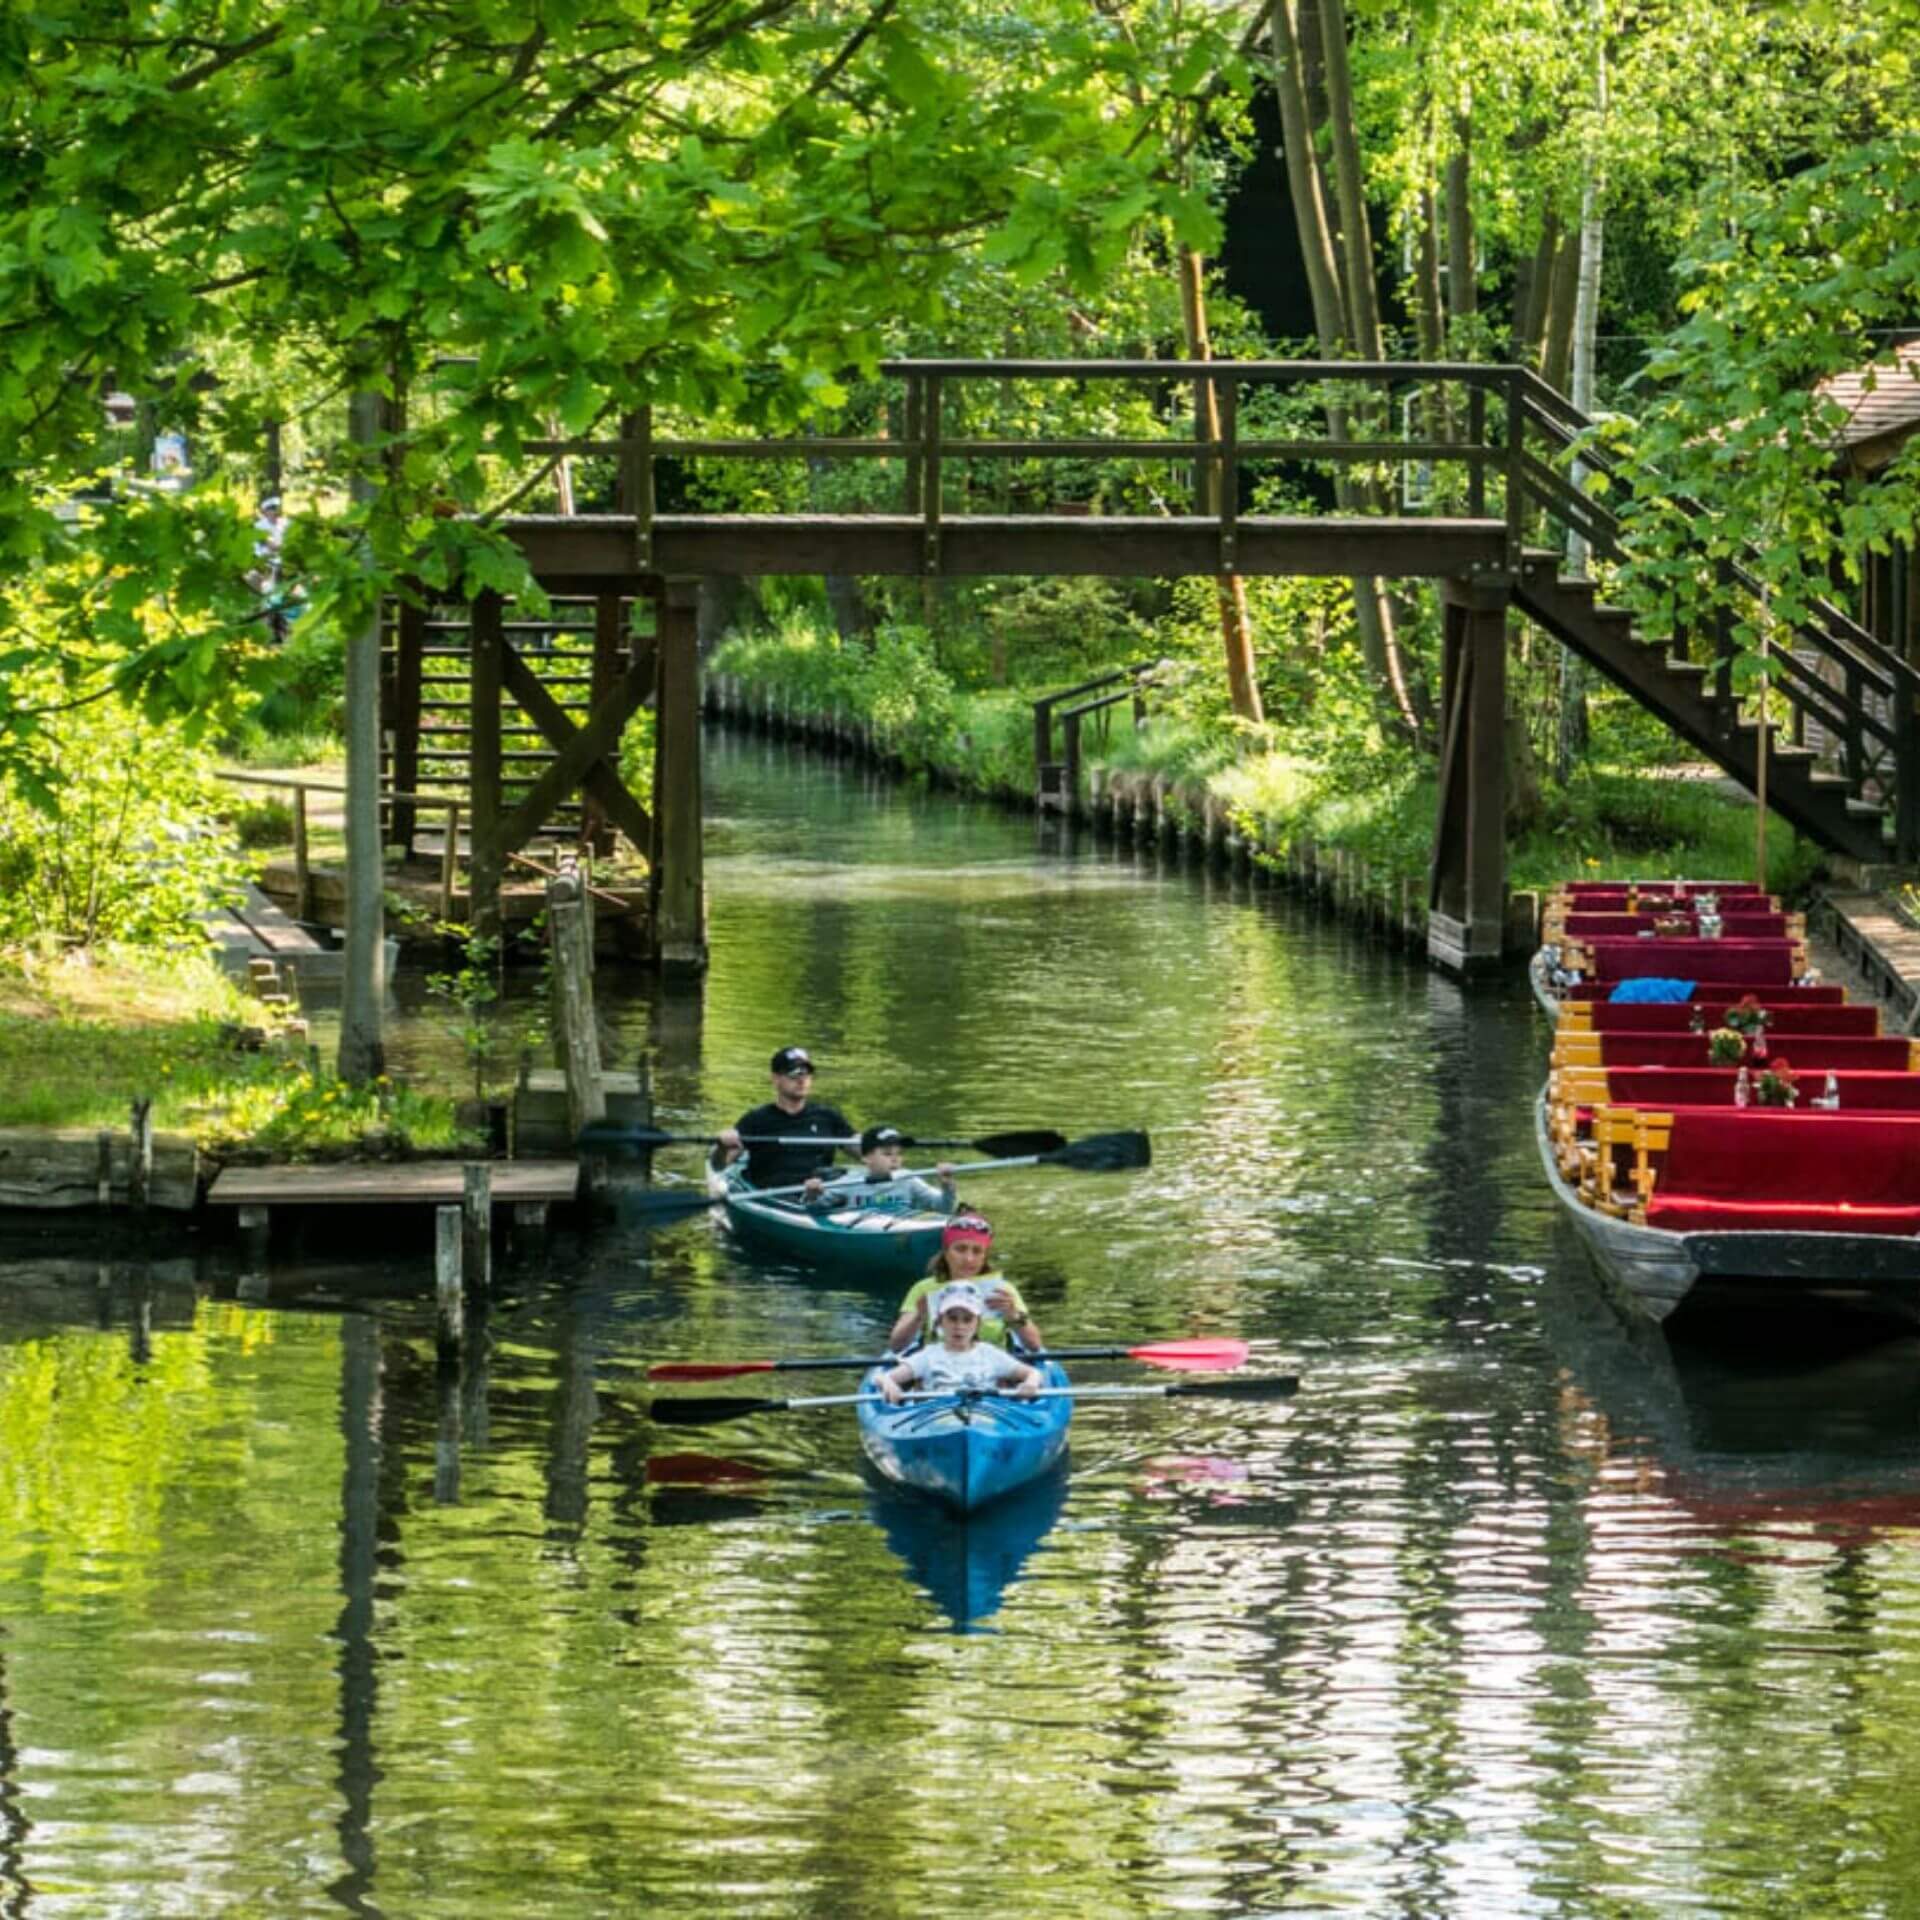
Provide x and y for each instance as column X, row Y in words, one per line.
column 964, row 1250
column 881, row 1187
column 959, row 1357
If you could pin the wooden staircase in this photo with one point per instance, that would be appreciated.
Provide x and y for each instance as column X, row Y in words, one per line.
column 428, row 674
column 1849, row 817
column 1855, row 792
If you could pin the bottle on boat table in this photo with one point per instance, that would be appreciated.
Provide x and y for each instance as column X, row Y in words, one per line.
column 1830, row 1098
column 1742, row 1089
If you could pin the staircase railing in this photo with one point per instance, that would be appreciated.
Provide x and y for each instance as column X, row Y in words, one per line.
column 1058, row 781
column 1832, row 672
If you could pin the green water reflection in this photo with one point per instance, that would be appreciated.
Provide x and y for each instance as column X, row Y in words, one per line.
column 1510, row 1612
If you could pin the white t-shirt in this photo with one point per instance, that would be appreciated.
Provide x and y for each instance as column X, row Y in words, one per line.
column 980, row 1365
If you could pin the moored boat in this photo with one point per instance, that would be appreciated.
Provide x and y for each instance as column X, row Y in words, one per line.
column 861, row 1241
column 967, row 1450
column 1675, row 1135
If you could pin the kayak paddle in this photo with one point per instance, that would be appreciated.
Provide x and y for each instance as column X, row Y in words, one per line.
column 603, row 1135
column 1176, row 1356
column 710, row 1411
column 1097, row 1153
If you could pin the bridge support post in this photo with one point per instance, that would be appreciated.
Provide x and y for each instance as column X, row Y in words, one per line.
column 1468, row 883
column 679, row 876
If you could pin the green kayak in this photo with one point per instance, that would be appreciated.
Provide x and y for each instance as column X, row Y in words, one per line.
column 857, row 1240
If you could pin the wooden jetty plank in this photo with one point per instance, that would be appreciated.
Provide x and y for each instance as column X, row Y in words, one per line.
column 421, row 1182
column 276, row 931
column 1882, row 943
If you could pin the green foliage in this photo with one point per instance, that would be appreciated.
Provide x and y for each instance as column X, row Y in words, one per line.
column 109, row 827
column 508, row 236
column 82, row 1034
column 1738, row 446
column 469, row 989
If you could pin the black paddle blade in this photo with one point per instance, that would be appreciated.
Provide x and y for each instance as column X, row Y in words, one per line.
column 1009, row 1146
column 635, row 1202
column 695, row 1410
column 1275, row 1386
column 1103, row 1153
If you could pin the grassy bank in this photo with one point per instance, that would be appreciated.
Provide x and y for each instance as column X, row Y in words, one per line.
column 83, row 1034
column 1324, row 785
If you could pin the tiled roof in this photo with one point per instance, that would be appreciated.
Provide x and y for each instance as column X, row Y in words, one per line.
column 1882, row 414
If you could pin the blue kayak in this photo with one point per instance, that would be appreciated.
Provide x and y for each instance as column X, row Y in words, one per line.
column 861, row 1241
column 966, row 1449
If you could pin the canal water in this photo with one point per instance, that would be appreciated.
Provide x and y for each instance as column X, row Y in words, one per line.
column 1510, row 1612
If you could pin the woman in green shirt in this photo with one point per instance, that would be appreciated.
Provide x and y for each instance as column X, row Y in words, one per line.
column 965, row 1249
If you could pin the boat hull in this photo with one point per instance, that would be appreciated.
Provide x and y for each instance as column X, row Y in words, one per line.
column 1656, row 1271
column 966, row 1452
column 865, row 1242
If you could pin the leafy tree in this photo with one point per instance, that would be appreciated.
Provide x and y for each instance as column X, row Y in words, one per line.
column 503, row 221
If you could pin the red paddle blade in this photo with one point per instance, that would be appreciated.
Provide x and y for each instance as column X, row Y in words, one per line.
column 700, row 1470
column 706, row 1369
column 1193, row 1356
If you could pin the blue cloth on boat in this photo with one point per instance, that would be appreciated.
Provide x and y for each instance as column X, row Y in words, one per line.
column 1651, row 992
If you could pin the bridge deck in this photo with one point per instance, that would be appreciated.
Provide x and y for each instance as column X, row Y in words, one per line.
column 588, row 551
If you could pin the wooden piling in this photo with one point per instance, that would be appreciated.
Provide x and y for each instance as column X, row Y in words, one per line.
column 576, row 1035
column 140, row 1166
column 449, row 1291
column 477, row 1212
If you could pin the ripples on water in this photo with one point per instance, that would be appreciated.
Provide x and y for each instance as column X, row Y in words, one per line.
column 1511, row 1612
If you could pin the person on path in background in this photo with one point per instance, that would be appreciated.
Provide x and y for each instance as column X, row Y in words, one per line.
column 791, row 1114
column 882, row 1187
column 964, row 1251
column 959, row 1357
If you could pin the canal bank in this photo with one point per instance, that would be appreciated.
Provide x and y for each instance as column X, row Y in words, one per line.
column 1403, row 1647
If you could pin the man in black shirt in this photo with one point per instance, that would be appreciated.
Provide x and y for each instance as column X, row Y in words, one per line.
column 789, row 1115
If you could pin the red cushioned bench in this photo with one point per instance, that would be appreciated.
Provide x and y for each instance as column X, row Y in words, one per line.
column 1585, row 890
column 1784, row 1017
column 1775, row 1170
column 1582, row 925
column 1737, row 963
column 1839, row 1053
column 1713, row 1087
column 1819, row 994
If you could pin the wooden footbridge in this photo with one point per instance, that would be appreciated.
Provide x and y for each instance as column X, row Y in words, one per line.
column 1501, row 447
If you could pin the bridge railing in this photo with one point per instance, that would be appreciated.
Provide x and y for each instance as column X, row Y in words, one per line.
column 1454, row 399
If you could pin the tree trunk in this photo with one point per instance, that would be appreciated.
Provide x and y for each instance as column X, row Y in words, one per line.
column 1556, row 346
column 1533, row 290
column 362, row 1050
column 1574, row 730
column 1300, row 47
column 1463, row 289
column 1236, row 629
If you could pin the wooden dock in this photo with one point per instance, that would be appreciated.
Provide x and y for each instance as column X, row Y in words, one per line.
column 530, row 1187
column 1874, row 936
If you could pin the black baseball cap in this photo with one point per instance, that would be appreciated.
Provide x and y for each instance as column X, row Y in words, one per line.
column 792, row 1060
column 881, row 1137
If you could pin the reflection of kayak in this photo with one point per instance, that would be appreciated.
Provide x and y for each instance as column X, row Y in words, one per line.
column 862, row 1240
column 966, row 1562
column 966, row 1449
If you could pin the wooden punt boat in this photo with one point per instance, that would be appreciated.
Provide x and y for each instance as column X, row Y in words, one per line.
column 1656, row 1268
column 859, row 1241
column 966, row 1450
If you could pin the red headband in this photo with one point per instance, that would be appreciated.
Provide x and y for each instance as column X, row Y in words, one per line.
column 967, row 1226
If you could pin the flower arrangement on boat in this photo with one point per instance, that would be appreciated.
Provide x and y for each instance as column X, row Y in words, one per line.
column 1777, row 1085
column 1748, row 1016
column 1672, row 925
column 1726, row 1047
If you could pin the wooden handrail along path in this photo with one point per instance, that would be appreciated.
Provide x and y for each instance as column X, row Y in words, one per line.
column 1505, row 445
